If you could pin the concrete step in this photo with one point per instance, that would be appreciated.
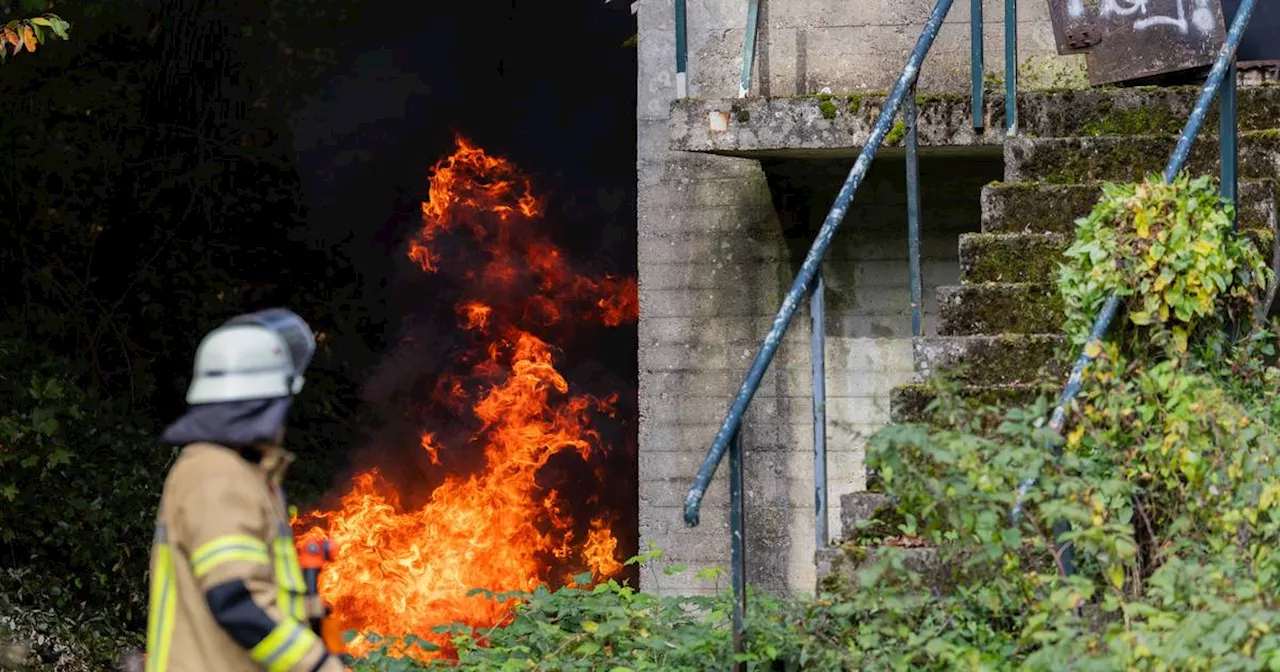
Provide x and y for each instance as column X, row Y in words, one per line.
column 859, row 507
column 1138, row 110
column 1005, row 359
column 1130, row 158
column 909, row 403
column 1042, row 207
column 1011, row 257
column 837, row 568
column 999, row 308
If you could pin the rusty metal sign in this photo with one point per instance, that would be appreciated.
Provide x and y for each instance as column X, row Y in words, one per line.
column 1127, row 40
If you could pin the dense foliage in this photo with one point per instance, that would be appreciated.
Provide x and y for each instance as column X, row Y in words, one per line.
column 1148, row 538
column 127, row 232
column 1170, row 251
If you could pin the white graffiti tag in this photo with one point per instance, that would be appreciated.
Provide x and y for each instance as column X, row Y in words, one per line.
column 1201, row 16
column 1075, row 9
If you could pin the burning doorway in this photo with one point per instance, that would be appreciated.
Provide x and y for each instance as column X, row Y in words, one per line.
column 521, row 470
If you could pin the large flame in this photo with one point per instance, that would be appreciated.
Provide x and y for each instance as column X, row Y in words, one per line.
column 407, row 569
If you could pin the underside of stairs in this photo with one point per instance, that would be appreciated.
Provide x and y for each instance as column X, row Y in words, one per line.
column 1000, row 330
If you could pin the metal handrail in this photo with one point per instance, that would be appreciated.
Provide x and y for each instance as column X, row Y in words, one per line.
column 1222, row 76
column 809, row 269
column 809, row 278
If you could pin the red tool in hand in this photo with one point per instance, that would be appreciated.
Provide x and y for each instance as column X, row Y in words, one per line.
column 312, row 557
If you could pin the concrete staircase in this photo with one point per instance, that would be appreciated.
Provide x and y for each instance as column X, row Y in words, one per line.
column 1001, row 326
column 1000, row 329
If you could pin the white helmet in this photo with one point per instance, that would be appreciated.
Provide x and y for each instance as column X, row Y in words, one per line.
column 261, row 355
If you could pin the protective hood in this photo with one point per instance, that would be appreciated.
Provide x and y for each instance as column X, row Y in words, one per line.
column 235, row 424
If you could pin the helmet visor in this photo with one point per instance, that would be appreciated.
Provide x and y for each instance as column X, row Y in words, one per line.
column 291, row 329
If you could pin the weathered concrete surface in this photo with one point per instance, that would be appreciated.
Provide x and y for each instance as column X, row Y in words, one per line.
column 1131, row 158
column 720, row 237
column 804, row 46
column 1011, row 257
column 857, row 507
column 910, row 402
column 1000, row 308
column 1004, row 359
column 839, row 125
column 1039, row 207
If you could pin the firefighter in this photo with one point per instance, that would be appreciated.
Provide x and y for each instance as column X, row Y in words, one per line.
column 227, row 592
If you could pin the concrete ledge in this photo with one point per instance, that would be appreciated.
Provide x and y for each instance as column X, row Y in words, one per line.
column 839, row 125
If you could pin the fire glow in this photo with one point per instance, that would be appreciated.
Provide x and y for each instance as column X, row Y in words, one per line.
column 405, row 569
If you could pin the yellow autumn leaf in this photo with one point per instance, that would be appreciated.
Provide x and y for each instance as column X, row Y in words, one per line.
column 1092, row 349
column 1202, row 247
column 29, row 38
column 1073, row 438
column 1142, row 224
column 1116, row 574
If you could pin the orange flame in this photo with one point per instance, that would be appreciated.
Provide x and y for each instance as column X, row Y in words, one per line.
column 402, row 570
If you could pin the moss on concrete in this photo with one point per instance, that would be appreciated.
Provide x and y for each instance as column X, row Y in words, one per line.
column 1004, row 359
column 1131, row 158
column 910, row 403
column 827, row 107
column 1038, row 207
column 988, row 257
column 1015, row 207
column 896, row 134
column 1145, row 120
column 998, row 308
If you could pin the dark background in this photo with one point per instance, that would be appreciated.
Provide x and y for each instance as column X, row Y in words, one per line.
column 1259, row 42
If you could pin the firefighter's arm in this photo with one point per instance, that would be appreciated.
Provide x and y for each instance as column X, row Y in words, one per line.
column 224, row 532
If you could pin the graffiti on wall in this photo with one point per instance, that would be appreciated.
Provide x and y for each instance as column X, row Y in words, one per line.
column 1148, row 13
column 1133, row 39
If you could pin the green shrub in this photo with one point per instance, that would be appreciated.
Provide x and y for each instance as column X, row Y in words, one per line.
column 1170, row 251
column 79, row 484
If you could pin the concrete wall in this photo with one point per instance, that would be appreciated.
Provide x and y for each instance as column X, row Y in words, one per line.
column 718, row 248
column 806, row 45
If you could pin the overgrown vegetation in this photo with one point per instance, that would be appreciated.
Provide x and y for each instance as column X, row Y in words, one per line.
column 1148, row 539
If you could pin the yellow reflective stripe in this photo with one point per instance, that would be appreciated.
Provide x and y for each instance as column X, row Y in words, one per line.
column 290, row 591
column 163, row 606
column 228, row 548
column 285, row 647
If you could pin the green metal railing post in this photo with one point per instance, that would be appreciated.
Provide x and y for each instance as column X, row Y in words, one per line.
column 976, row 44
column 817, row 358
column 682, row 52
column 749, row 47
column 1011, row 67
column 737, row 546
column 1228, row 144
column 911, row 118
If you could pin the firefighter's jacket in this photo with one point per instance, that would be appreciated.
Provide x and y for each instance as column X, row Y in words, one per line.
column 227, row 593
